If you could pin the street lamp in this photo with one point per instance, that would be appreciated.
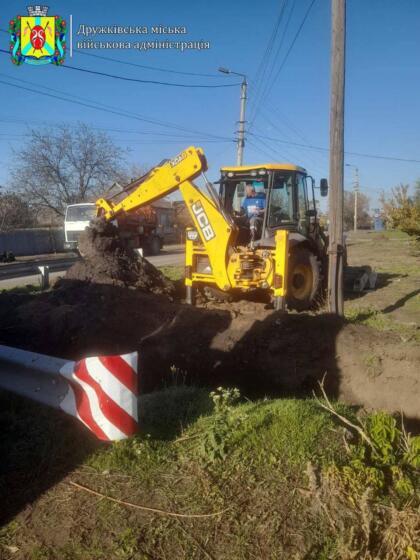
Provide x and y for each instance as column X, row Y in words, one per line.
column 241, row 130
column 356, row 192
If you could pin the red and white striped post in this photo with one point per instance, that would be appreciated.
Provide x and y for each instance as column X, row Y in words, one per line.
column 100, row 391
column 103, row 394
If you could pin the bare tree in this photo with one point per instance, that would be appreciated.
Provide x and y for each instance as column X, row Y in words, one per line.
column 62, row 165
column 363, row 218
column 416, row 198
column 14, row 212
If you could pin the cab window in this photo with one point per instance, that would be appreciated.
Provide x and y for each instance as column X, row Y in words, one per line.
column 281, row 200
column 302, row 200
column 233, row 192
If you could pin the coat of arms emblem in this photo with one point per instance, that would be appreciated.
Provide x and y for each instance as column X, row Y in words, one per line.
column 37, row 38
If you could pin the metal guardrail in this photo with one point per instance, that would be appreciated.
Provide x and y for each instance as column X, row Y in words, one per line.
column 101, row 391
column 21, row 269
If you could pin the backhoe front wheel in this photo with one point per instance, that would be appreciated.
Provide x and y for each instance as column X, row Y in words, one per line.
column 304, row 279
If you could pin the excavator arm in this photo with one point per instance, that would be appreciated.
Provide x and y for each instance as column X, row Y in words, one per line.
column 215, row 228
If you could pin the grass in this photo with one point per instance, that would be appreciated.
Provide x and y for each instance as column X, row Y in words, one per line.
column 389, row 234
column 373, row 365
column 380, row 321
column 27, row 289
column 175, row 272
column 196, row 454
column 189, row 458
column 177, row 421
column 401, row 269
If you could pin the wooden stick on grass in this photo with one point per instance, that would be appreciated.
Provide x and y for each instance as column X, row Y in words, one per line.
column 145, row 508
column 332, row 410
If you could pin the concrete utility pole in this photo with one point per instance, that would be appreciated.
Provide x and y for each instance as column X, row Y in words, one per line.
column 241, row 129
column 336, row 248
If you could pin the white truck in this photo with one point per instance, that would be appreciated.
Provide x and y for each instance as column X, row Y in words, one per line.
column 140, row 229
column 77, row 219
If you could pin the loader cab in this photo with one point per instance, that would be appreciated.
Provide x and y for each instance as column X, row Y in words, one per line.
column 289, row 194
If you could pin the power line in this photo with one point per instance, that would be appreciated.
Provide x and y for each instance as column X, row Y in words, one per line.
column 270, row 108
column 102, row 107
column 290, row 157
column 305, row 17
column 295, row 38
column 145, row 67
column 282, row 154
column 269, row 151
column 264, row 88
column 262, row 99
column 138, row 80
column 153, row 68
column 265, row 61
column 261, row 150
column 154, row 82
column 104, row 129
column 358, row 154
column 281, row 43
column 314, row 163
column 16, row 138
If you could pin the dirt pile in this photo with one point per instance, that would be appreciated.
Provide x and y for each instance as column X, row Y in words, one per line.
column 108, row 260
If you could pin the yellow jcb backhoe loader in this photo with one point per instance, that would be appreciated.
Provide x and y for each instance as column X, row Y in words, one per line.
column 223, row 255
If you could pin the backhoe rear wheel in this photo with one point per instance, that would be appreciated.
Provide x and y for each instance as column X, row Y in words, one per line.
column 304, row 279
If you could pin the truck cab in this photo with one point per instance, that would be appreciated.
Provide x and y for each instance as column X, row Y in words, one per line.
column 76, row 220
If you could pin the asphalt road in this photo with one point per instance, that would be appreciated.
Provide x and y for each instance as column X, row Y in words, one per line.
column 170, row 255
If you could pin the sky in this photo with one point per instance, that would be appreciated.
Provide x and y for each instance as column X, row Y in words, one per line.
column 286, row 58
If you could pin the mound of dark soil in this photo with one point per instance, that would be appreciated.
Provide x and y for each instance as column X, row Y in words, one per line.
column 108, row 260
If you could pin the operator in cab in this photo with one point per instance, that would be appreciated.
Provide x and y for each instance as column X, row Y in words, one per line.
column 253, row 206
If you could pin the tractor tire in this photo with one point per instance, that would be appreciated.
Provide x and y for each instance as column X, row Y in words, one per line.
column 304, row 279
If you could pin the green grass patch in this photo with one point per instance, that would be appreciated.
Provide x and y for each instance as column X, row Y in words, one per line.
column 400, row 269
column 197, row 453
column 27, row 289
column 175, row 272
column 288, row 431
column 381, row 322
column 281, row 431
column 389, row 234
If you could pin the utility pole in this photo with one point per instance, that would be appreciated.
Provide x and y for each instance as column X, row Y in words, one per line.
column 241, row 128
column 336, row 248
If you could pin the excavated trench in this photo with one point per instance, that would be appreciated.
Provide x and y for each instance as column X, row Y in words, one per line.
column 113, row 302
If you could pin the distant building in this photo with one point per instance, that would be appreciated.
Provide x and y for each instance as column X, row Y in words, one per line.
column 378, row 221
column 378, row 224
